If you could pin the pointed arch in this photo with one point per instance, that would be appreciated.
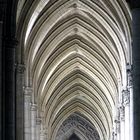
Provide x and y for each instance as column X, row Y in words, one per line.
column 76, row 54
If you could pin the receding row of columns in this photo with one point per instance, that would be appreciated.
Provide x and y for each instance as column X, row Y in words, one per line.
column 33, row 127
column 122, row 126
column 123, row 123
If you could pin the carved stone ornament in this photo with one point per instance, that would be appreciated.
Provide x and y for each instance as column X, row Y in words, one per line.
column 38, row 121
column 114, row 135
column 122, row 113
column 77, row 124
column 33, row 107
column 117, row 126
column 129, row 75
column 126, row 97
column 130, row 79
column 27, row 94
column 27, row 89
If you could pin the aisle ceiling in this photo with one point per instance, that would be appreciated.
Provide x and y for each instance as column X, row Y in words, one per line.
column 75, row 52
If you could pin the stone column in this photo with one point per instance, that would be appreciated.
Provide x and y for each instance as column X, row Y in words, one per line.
column 114, row 134
column 126, row 103
column 33, row 121
column 43, row 135
column 117, row 129
column 9, row 43
column 38, row 127
column 122, row 123
column 27, row 113
column 135, row 4
column 19, row 102
column 1, row 24
column 9, row 108
column 43, row 132
column 130, row 88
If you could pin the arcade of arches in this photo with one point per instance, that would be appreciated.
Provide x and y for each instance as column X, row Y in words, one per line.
column 70, row 71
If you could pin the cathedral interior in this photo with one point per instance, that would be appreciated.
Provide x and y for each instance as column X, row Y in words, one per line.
column 69, row 69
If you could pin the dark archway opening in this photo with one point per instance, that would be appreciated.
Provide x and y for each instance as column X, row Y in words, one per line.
column 73, row 137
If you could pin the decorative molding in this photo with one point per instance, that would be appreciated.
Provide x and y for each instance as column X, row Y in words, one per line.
column 38, row 121
column 33, row 107
column 117, row 125
column 126, row 97
column 27, row 94
column 76, row 122
column 43, row 134
column 28, row 90
column 129, row 75
column 130, row 79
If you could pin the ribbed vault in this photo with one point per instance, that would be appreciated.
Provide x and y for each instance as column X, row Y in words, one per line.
column 75, row 53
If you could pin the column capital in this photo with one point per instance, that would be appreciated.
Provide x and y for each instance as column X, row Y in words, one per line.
column 33, row 107
column 130, row 80
column 38, row 121
column 27, row 90
column 27, row 94
column 43, row 132
column 20, row 68
column 129, row 76
column 126, row 97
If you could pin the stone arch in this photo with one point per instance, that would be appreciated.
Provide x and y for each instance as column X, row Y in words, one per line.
column 76, row 54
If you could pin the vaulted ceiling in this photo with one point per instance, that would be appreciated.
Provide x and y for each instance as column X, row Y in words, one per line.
column 75, row 52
